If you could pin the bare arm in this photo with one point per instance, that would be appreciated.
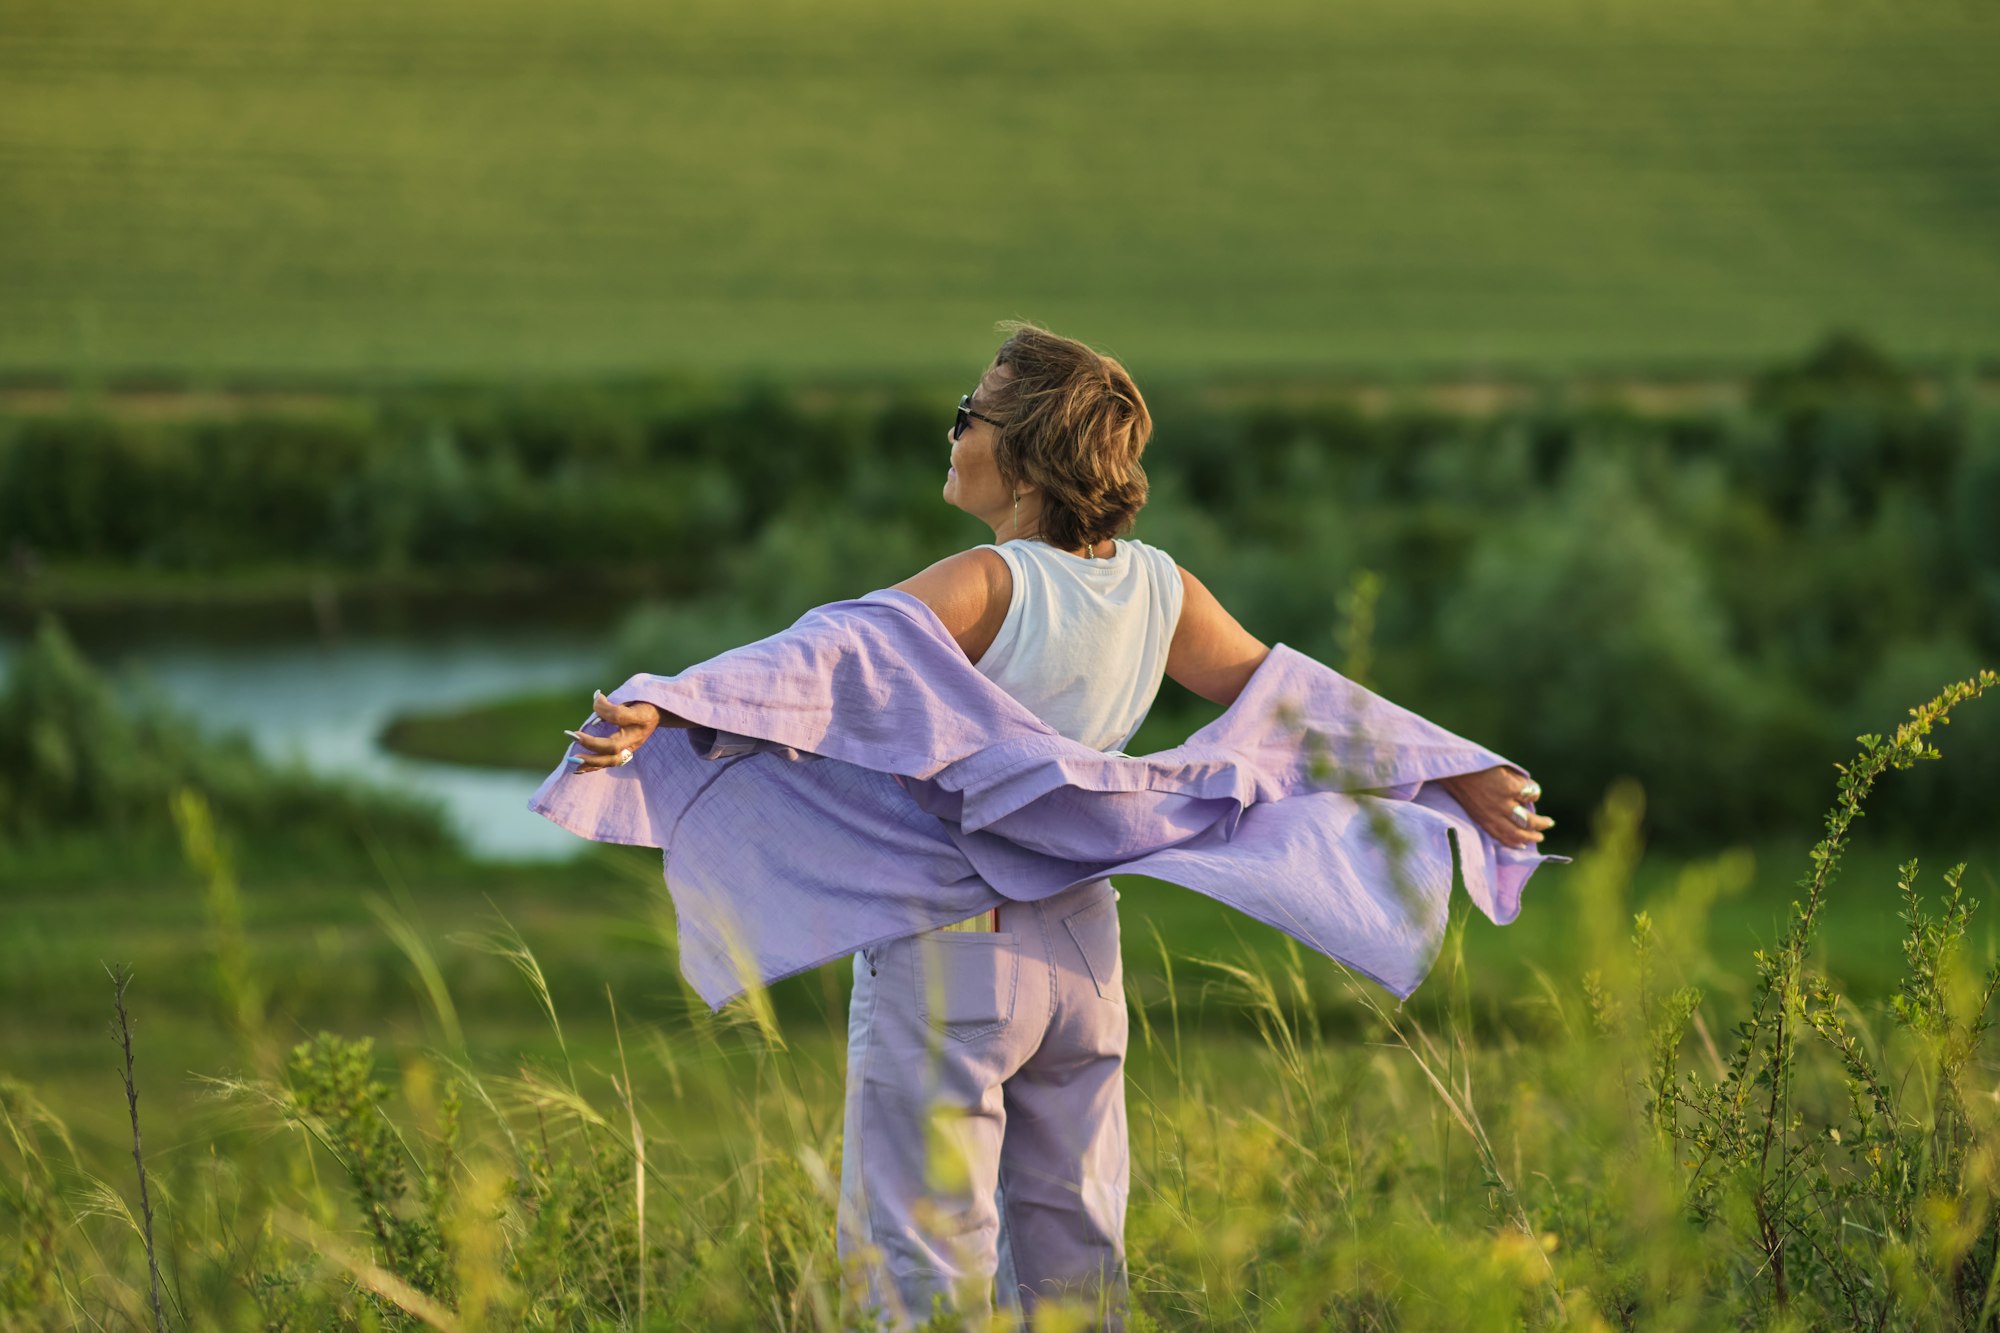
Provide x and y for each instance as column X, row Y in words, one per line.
column 969, row 593
column 1211, row 654
column 1215, row 657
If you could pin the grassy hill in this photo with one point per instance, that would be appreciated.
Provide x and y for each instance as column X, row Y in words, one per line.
column 526, row 187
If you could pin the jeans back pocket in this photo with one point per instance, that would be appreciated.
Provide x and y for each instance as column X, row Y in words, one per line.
column 966, row 980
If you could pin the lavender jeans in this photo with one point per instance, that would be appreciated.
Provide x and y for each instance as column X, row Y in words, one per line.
column 985, row 1118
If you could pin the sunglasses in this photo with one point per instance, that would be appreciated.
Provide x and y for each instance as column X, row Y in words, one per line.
column 965, row 416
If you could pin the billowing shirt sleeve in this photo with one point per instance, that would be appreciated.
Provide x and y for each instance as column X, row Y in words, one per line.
column 854, row 779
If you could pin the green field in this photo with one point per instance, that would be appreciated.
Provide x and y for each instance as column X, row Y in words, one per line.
column 1287, row 1161
column 487, row 1082
column 529, row 188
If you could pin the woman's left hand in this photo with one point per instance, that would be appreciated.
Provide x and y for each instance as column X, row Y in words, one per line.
column 634, row 722
column 1490, row 796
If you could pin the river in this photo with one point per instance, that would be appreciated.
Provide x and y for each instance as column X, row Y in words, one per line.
column 323, row 696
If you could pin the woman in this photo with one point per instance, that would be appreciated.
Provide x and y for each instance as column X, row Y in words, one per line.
column 985, row 1114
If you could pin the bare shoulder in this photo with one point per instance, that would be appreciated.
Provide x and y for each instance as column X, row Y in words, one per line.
column 968, row 591
column 1211, row 654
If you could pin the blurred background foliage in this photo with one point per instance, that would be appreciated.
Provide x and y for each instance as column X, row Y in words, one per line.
column 1716, row 601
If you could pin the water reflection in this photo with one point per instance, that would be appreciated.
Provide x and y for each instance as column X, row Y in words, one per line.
column 325, row 702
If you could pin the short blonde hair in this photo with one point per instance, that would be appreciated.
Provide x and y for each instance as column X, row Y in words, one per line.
column 1075, row 427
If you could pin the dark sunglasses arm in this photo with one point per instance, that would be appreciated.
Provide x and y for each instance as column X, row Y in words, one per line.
column 980, row 415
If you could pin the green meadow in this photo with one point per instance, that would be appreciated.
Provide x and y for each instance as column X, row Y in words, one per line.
column 216, row 190
column 427, row 1098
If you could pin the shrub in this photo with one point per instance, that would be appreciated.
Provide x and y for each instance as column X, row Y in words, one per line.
column 1584, row 635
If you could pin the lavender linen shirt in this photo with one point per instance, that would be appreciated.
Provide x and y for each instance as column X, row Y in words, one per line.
column 854, row 779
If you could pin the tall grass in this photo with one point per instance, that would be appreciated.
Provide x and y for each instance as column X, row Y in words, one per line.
column 1602, row 1161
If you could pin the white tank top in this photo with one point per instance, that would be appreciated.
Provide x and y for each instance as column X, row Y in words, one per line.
column 1084, row 644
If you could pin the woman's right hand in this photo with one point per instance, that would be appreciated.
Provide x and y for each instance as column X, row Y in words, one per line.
column 635, row 723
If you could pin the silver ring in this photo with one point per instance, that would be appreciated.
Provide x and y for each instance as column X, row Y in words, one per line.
column 1520, row 814
column 625, row 756
column 1531, row 791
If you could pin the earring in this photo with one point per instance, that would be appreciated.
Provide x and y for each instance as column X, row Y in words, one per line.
column 1017, row 513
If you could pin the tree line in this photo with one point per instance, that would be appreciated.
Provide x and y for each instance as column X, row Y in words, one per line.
column 1714, row 602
